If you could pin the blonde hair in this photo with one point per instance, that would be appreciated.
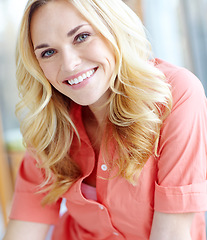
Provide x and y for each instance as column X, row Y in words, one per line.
column 139, row 102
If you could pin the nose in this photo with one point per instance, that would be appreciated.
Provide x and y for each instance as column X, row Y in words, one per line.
column 71, row 59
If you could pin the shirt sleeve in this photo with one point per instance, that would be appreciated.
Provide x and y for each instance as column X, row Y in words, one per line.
column 182, row 154
column 26, row 200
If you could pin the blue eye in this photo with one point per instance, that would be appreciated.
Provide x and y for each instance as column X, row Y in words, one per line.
column 81, row 37
column 47, row 53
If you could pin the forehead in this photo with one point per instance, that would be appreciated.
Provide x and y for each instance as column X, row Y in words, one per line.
column 55, row 16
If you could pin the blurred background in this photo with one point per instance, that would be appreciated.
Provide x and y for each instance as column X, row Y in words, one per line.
column 177, row 30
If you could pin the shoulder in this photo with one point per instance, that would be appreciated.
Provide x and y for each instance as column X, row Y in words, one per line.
column 184, row 84
column 178, row 76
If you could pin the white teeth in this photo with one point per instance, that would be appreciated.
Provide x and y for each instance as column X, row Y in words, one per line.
column 81, row 78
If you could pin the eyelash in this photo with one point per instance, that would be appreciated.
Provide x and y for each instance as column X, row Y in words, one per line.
column 85, row 35
column 43, row 54
column 76, row 41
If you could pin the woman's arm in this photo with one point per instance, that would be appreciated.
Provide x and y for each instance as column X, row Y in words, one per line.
column 20, row 230
column 175, row 226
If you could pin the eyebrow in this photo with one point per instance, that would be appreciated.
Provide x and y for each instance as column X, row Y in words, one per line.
column 74, row 30
column 44, row 45
column 69, row 34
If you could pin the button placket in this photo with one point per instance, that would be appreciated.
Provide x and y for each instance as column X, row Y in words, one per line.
column 104, row 173
column 116, row 234
column 104, row 167
column 101, row 207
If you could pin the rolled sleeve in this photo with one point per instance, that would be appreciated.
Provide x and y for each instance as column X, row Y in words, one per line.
column 182, row 162
column 190, row 198
column 27, row 207
column 27, row 201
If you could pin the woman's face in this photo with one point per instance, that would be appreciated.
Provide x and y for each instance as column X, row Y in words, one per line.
column 74, row 57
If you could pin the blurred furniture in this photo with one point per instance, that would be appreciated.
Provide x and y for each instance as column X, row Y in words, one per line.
column 136, row 6
column 15, row 150
column 11, row 154
column 15, row 158
column 6, row 185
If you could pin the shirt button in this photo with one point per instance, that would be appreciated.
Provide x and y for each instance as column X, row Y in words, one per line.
column 101, row 206
column 116, row 233
column 104, row 167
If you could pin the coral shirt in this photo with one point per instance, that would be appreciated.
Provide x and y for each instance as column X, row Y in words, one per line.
column 175, row 182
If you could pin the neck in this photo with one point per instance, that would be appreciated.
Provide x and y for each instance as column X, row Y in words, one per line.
column 94, row 121
column 99, row 114
column 100, row 110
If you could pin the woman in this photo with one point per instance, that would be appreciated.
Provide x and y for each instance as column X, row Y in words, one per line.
column 119, row 135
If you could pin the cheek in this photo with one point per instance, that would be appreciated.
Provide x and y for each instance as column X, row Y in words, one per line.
column 100, row 50
column 106, row 48
column 49, row 71
column 107, row 53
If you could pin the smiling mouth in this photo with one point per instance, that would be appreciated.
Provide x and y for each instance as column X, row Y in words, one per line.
column 82, row 77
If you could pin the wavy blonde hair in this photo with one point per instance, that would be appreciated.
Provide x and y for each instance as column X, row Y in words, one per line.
column 139, row 102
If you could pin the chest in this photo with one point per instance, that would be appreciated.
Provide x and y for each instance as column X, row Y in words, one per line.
column 94, row 135
column 127, row 205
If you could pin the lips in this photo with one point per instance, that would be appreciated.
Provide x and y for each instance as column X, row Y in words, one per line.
column 81, row 78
